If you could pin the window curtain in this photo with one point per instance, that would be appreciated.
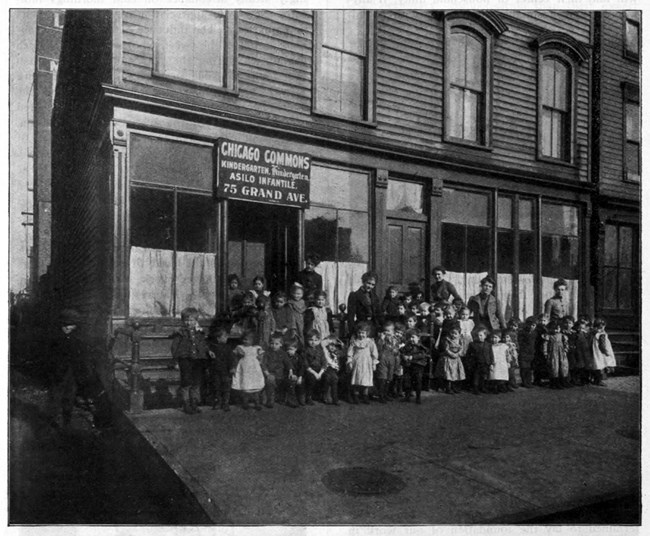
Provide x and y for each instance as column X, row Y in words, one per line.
column 339, row 279
column 526, row 296
column 150, row 282
column 504, row 294
column 467, row 284
column 195, row 282
column 572, row 293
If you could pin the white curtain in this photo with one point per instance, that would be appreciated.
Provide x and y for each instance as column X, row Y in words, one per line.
column 339, row 279
column 150, row 282
column 526, row 296
column 504, row 294
column 572, row 293
column 467, row 284
column 195, row 282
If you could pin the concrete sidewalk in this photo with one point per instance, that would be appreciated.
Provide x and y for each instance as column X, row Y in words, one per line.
column 459, row 459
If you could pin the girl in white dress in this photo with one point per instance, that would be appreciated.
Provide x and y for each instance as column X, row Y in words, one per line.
column 498, row 374
column 362, row 361
column 248, row 378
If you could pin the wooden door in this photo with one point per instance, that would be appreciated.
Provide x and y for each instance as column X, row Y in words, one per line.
column 406, row 252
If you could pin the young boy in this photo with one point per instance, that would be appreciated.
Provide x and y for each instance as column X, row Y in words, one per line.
column 276, row 367
column 315, row 365
column 220, row 367
column 527, row 340
column 478, row 360
column 298, row 308
column 311, row 281
column 295, row 381
column 389, row 360
column 332, row 350
column 285, row 321
column 415, row 359
column 190, row 349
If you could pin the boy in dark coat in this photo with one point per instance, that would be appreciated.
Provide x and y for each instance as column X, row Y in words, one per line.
column 315, row 365
column 415, row 359
column 478, row 360
column 220, row 369
column 276, row 368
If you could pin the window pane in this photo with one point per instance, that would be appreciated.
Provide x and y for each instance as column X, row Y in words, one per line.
column 525, row 215
column 504, row 206
column 332, row 27
column 611, row 245
column 632, row 121
column 559, row 219
column 329, row 81
column 466, row 208
column 470, row 116
column 474, row 66
column 352, row 87
column 340, row 188
column 624, row 289
column 405, row 197
column 505, row 252
column 353, row 236
column 625, row 245
column 152, row 218
column 320, row 232
column 395, row 250
column 547, row 132
column 209, row 48
column 354, row 31
column 457, row 67
column 560, row 257
column 453, row 247
column 413, row 253
column 175, row 163
column 632, row 37
column 195, row 231
column 561, row 86
column 610, row 290
column 548, row 82
column 632, row 165
column 527, row 253
column 478, row 249
column 455, row 113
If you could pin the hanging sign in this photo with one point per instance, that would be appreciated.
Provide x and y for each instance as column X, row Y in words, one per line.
column 262, row 174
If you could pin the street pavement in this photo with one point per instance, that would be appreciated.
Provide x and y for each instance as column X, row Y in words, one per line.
column 455, row 459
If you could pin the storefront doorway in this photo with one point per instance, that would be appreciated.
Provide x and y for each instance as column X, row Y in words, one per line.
column 263, row 240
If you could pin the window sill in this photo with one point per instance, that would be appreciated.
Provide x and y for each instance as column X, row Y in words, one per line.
column 469, row 144
column 631, row 56
column 557, row 162
column 196, row 83
column 361, row 122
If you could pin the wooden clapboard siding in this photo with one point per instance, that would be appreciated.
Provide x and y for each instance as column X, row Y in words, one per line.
column 616, row 69
column 275, row 82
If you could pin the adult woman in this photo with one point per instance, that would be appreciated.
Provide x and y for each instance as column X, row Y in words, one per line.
column 364, row 304
column 442, row 289
column 485, row 307
column 556, row 308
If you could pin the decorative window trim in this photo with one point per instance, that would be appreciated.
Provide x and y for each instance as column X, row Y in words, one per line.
column 370, row 72
column 630, row 95
column 230, row 84
column 487, row 26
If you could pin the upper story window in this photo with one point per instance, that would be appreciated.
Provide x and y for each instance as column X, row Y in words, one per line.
column 344, row 56
column 559, row 58
column 196, row 46
column 555, row 108
column 468, row 75
column 632, row 34
column 632, row 133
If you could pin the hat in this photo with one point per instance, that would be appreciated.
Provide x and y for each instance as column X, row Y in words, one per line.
column 69, row 317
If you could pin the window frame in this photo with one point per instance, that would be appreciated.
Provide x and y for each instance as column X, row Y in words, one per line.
column 571, row 64
column 630, row 96
column 484, row 126
column 631, row 17
column 230, row 62
column 368, row 117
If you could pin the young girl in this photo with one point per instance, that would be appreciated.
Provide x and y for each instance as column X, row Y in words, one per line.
column 259, row 287
column 248, row 377
column 318, row 317
column 388, row 348
column 602, row 352
column 362, row 361
column 555, row 351
column 265, row 321
column 567, row 324
column 466, row 325
column 582, row 343
column 498, row 374
column 478, row 359
column 285, row 320
column 390, row 304
column 235, row 293
column 298, row 308
column 332, row 350
column 450, row 366
column 509, row 338
column 540, row 369
column 245, row 317
column 527, row 340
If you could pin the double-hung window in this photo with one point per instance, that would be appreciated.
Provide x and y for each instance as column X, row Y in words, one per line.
column 344, row 56
column 632, row 34
column 555, row 108
column 632, row 133
column 196, row 46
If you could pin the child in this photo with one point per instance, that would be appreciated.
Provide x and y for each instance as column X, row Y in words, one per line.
column 315, row 365
column 415, row 359
column 285, row 320
column 388, row 349
column 509, row 338
column 478, row 360
column 401, row 313
column 265, row 321
column 466, row 327
column 396, row 389
column 332, row 350
column 582, row 352
column 311, row 281
column 555, row 351
column 436, row 322
column 295, row 384
column 423, row 320
column 259, row 287
column 248, row 377
column 298, row 308
column 276, row 368
column 602, row 352
column 498, row 372
column 458, row 305
column 414, row 310
column 527, row 340
column 362, row 361
column 318, row 317
column 220, row 367
column 390, row 304
column 411, row 322
column 450, row 366
column 190, row 349
column 245, row 317
column 567, row 324
column 235, row 293
column 513, row 325
column 540, row 370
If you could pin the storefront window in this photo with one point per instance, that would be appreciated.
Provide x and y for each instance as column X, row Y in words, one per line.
column 527, row 259
column 618, row 266
column 465, row 239
column 406, row 197
column 505, row 254
column 337, row 228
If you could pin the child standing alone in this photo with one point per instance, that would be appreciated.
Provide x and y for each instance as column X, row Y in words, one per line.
column 248, row 377
column 362, row 361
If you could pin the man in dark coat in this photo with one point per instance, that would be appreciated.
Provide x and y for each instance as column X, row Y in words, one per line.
column 486, row 308
column 364, row 304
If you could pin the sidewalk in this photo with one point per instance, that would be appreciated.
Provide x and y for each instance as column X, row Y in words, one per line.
column 459, row 459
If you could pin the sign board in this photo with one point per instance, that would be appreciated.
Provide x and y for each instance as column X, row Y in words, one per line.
column 262, row 174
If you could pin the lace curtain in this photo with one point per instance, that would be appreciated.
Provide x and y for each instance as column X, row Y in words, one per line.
column 339, row 279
